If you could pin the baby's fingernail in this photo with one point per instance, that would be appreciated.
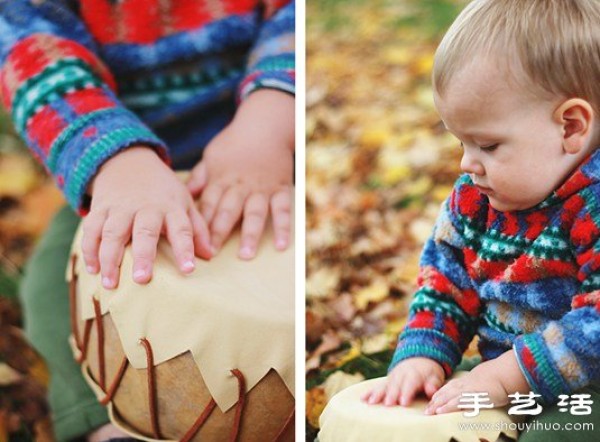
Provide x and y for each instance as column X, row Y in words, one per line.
column 214, row 250
column 139, row 274
column 107, row 282
column 246, row 252
column 188, row 265
column 90, row 269
column 403, row 401
column 280, row 244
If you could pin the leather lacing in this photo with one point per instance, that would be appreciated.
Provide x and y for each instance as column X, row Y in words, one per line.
column 82, row 346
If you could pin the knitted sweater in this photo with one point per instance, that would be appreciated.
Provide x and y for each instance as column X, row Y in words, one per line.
column 526, row 279
column 84, row 79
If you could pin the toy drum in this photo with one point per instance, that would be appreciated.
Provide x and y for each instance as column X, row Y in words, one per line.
column 207, row 356
column 346, row 418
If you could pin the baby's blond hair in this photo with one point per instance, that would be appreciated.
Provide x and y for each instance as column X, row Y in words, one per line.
column 557, row 43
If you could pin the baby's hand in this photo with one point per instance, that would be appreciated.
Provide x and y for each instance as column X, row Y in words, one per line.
column 247, row 171
column 447, row 398
column 408, row 378
column 498, row 378
column 135, row 196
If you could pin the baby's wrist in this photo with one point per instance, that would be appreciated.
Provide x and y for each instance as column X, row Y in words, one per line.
column 271, row 109
column 506, row 372
column 133, row 155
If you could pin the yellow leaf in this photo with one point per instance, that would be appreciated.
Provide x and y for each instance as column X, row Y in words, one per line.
column 17, row 175
column 423, row 65
column 424, row 97
column 421, row 229
column 395, row 174
column 8, row 375
column 393, row 328
column 420, row 186
column 315, row 403
column 39, row 371
column 402, row 139
column 322, row 282
column 339, row 381
column 408, row 270
column 353, row 353
column 374, row 292
column 376, row 343
column 375, row 136
column 401, row 55
column 440, row 193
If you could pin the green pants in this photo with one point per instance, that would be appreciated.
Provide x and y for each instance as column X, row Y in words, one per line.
column 45, row 301
column 552, row 425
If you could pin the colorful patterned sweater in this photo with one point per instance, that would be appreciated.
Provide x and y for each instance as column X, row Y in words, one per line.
column 527, row 279
column 84, row 79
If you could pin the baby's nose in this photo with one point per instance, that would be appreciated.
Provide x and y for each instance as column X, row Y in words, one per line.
column 470, row 164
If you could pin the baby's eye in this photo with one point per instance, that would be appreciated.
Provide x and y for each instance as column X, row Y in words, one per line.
column 490, row 148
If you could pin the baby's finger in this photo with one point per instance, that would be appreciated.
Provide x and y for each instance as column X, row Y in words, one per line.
column 256, row 210
column 115, row 235
column 202, row 246
column 409, row 390
column 181, row 237
column 432, row 385
column 281, row 204
column 366, row 395
column 448, row 407
column 392, row 395
column 197, row 180
column 437, row 400
column 90, row 243
column 146, row 233
column 377, row 396
column 209, row 202
column 227, row 215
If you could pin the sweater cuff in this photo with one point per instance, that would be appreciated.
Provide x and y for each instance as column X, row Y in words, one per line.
column 89, row 142
column 538, row 368
column 430, row 344
column 276, row 72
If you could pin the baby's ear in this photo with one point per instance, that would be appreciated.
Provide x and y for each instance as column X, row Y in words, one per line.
column 576, row 117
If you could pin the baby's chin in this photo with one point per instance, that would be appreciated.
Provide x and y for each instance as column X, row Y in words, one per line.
column 502, row 205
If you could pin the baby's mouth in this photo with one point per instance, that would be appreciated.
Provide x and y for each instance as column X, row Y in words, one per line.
column 484, row 189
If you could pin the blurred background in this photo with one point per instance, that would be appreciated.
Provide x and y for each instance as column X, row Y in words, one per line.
column 379, row 164
column 28, row 200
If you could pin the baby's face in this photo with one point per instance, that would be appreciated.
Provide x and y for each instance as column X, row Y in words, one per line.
column 512, row 147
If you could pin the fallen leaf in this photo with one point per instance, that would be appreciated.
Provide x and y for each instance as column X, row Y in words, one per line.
column 8, row 375
column 376, row 291
column 343, row 306
column 421, row 229
column 375, row 344
column 322, row 282
column 339, row 381
column 315, row 404
column 17, row 175
column 330, row 342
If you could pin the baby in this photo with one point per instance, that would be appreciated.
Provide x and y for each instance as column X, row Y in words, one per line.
column 515, row 254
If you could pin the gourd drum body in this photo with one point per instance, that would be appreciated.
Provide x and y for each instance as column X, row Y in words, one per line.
column 207, row 356
column 347, row 419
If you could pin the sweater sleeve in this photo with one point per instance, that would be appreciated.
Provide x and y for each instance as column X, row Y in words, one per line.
column 271, row 63
column 445, row 310
column 564, row 356
column 61, row 96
